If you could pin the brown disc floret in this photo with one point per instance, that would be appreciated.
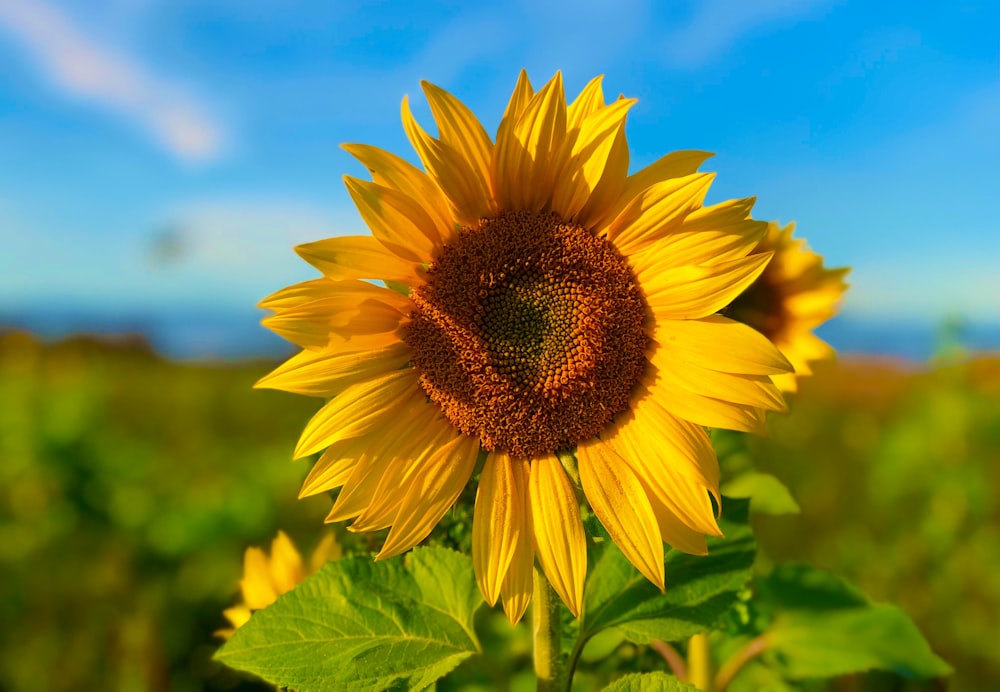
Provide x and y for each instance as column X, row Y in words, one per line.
column 528, row 333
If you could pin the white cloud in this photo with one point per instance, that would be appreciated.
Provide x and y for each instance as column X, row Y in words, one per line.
column 77, row 64
column 717, row 24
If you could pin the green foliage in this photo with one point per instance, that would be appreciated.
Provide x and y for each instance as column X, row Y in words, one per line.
column 699, row 589
column 825, row 627
column 649, row 682
column 364, row 625
column 767, row 494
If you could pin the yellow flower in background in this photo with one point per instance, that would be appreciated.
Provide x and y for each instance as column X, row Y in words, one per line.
column 539, row 300
column 794, row 295
column 265, row 577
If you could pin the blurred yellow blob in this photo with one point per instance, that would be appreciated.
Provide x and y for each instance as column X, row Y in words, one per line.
column 267, row 577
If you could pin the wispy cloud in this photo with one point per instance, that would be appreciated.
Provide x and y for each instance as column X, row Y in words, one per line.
column 78, row 65
column 717, row 24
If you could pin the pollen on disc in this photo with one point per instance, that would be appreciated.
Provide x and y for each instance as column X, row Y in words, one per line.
column 528, row 333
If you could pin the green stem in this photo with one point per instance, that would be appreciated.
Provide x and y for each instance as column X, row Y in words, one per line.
column 729, row 669
column 547, row 636
column 700, row 662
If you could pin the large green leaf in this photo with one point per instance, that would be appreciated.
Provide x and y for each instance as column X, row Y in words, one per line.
column 364, row 625
column 698, row 589
column 766, row 493
column 826, row 627
column 649, row 682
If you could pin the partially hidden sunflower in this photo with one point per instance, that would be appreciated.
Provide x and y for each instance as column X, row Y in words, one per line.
column 265, row 577
column 793, row 295
column 539, row 301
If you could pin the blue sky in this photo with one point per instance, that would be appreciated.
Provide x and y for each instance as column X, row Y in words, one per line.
column 162, row 155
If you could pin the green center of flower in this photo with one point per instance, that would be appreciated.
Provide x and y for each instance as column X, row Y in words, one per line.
column 529, row 333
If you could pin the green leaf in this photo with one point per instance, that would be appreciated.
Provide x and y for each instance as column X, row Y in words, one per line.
column 649, row 682
column 699, row 588
column 838, row 642
column 767, row 494
column 364, row 625
column 826, row 627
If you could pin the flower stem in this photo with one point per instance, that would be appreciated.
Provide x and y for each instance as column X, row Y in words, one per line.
column 547, row 635
column 729, row 669
column 700, row 662
column 673, row 659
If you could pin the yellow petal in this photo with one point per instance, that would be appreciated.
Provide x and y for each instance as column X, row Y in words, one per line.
column 403, row 440
column 358, row 257
column 703, row 410
column 459, row 128
column 586, row 164
column 621, row 503
column 496, row 525
column 697, row 291
column 286, row 564
column 609, row 188
column 517, row 584
column 296, row 294
column 258, row 590
column 692, row 375
column 657, row 211
column 327, row 550
column 590, row 100
column 358, row 410
column 505, row 149
column 559, row 538
column 325, row 373
column 722, row 344
column 528, row 153
column 451, row 171
column 675, row 492
column 674, row 165
column 339, row 317
column 396, row 220
column 431, row 491
column 238, row 615
column 334, row 466
column 392, row 171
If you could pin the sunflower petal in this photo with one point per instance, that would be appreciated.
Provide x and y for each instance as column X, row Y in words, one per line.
column 657, row 211
column 721, row 344
column 358, row 257
column 517, row 583
column 359, row 409
column 697, row 291
column 590, row 100
column 286, row 565
column 432, row 490
column 258, row 590
column 528, row 152
column 593, row 144
column 325, row 373
column 393, row 171
column 496, row 525
column 450, row 170
column 621, row 503
column 396, row 220
column 560, row 542
column 334, row 467
column 462, row 131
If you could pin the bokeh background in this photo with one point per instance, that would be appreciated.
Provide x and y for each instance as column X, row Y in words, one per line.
column 158, row 161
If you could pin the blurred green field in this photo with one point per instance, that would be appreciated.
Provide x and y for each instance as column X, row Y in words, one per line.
column 130, row 486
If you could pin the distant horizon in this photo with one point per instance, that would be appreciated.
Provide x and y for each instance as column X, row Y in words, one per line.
column 213, row 332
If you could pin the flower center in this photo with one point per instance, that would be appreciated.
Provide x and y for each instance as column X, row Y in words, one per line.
column 528, row 333
column 760, row 306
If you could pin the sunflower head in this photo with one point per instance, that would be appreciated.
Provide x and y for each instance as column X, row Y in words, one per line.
column 265, row 577
column 794, row 295
column 538, row 301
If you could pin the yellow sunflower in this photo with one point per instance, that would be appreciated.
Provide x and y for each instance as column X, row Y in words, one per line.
column 539, row 301
column 267, row 577
column 794, row 295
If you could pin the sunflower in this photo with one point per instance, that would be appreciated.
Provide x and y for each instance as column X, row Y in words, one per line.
column 267, row 577
column 542, row 307
column 792, row 296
